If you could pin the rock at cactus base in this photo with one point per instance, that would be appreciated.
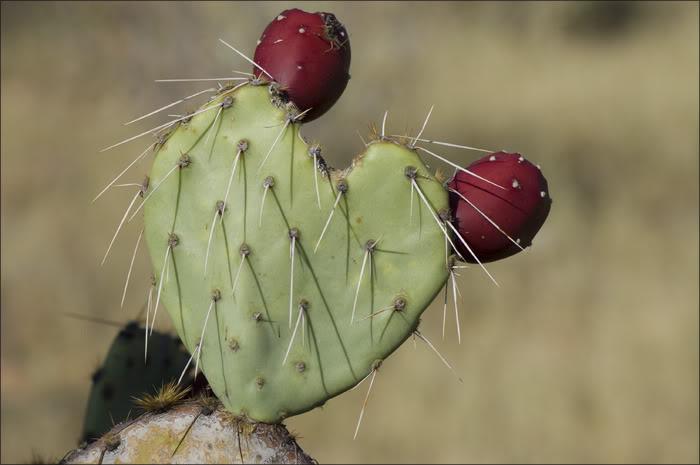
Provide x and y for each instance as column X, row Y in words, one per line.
column 192, row 432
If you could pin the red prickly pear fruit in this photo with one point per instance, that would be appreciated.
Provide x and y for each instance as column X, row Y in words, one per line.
column 308, row 54
column 519, row 210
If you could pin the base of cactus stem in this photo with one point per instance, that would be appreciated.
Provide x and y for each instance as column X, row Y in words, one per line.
column 193, row 432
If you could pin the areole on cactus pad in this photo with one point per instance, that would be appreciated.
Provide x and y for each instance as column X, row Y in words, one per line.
column 296, row 280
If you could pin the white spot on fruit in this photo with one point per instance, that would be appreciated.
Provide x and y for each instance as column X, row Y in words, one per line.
column 259, row 42
column 483, row 237
column 492, row 158
column 299, row 67
column 539, row 167
column 277, row 41
column 516, row 184
column 280, row 17
column 520, row 159
column 543, row 194
column 302, row 30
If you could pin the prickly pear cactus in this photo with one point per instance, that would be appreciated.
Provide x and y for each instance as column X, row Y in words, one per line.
column 294, row 279
column 124, row 375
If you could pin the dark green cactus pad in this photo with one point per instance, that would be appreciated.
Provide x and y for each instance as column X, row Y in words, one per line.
column 124, row 375
column 371, row 235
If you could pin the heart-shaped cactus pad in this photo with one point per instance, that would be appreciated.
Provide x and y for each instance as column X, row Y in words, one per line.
column 295, row 279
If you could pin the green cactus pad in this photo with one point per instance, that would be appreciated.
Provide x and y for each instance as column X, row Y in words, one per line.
column 248, row 333
column 123, row 375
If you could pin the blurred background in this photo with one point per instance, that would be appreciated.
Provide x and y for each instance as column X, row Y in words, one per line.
column 588, row 352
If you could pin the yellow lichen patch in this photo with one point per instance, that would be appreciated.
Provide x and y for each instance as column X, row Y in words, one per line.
column 155, row 446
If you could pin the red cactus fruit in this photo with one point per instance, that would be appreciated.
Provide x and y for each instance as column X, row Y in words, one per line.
column 497, row 223
column 308, row 54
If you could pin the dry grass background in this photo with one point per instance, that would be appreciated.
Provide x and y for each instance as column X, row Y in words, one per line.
column 588, row 351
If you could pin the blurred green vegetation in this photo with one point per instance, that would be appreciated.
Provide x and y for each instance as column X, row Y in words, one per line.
column 588, row 352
